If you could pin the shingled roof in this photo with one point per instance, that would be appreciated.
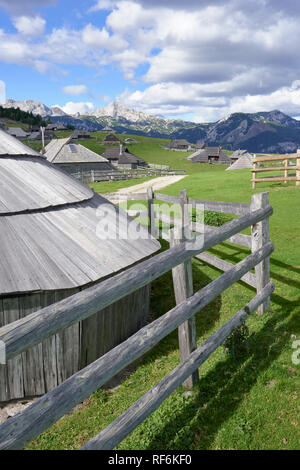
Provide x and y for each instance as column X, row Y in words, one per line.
column 71, row 153
column 111, row 138
column 17, row 132
column 243, row 162
column 51, row 237
column 204, row 155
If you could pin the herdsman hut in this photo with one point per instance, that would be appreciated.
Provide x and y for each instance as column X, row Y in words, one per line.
column 53, row 244
column 75, row 157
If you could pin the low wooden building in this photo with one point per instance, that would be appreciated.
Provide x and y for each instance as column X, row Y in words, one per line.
column 55, row 242
column 238, row 154
column 48, row 135
column 17, row 132
column 111, row 139
column 120, row 157
column 106, row 130
column 58, row 126
column 244, row 161
column 80, row 134
column 74, row 158
column 179, row 144
column 210, row 155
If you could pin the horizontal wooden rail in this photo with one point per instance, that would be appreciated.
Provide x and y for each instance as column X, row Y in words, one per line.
column 219, row 263
column 274, row 178
column 236, row 208
column 215, row 206
column 111, row 436
column 275, row 168
column 31, row 330
column 21, row 429
column 273, row 158
column 286, row 168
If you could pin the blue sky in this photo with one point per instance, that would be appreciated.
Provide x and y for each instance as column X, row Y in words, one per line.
column 197, row 60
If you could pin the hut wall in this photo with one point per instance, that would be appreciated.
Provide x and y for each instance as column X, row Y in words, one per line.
column 75, row 167
column 43, row 367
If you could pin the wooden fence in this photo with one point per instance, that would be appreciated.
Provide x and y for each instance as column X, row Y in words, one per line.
column 285, row 168
column 19, row 336
column 122, row 174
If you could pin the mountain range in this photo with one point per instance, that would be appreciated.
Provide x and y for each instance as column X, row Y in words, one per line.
column 263, row 132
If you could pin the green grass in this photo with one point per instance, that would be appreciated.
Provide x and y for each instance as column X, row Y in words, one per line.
column 249, row 402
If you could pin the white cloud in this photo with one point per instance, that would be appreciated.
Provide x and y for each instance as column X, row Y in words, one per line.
column 24, row 6
column 75, row 90
column 103, row 5
column 100, row 38
column 30, row 26
column 73, row 108
column 2, row 91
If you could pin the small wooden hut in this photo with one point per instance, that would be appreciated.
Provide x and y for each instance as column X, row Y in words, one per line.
column 111, row 139
column 17, row 132
column 121, row 157
column 210, row 155
column 75, row 157
column 179, row 144
column 54, row 244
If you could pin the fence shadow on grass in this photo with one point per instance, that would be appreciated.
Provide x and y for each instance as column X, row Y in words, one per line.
column 221, row 391
column 163, row 300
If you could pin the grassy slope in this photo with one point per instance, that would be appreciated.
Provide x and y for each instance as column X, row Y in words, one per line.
column 250, row 402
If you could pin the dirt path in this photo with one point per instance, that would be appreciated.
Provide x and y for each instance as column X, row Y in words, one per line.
column 156, row 183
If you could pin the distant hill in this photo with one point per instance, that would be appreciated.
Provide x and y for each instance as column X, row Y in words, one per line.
column 264, row 132
column 15, row 114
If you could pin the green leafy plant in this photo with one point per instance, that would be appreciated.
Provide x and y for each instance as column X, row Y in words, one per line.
column 237, row 343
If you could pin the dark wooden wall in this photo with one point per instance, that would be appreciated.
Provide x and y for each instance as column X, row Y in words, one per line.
column 48, row 364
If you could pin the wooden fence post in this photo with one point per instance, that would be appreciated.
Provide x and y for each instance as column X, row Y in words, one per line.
column 185, row 218
column 151, row 212
column 298, row 171
column 259, row 237
column 286, row 174
column 183, row 289
column 254, row 174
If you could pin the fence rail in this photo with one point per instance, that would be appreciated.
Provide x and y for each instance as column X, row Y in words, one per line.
column 19, row 336
column 123, row 174
column 286, row 168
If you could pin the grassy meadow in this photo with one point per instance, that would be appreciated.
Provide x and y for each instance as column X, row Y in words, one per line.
column 249, row 401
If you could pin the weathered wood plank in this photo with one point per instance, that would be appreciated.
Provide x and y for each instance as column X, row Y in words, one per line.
column 40, row 325
column 260, row 236
column 33, row 371
column 151, row 212
column 227, row 207
column 21, row 429
column 111, row 436
column 273, row 158
column 274, row 178
column 11, row 311
column 298, row 168
column 183, row 289
column 219, row 263
column 4, row 390
column 167, row 198
column 276, row 168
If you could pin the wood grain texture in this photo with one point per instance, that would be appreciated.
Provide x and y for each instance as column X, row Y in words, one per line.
column 260, row 236
column 219, row 263
column 183, row 289
column 111, row 436
column 41, row 325
column 21, row 429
